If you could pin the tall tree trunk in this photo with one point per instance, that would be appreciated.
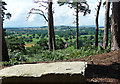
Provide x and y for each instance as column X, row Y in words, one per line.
column 53, row 33
column 5, row 56
column 50, row 24
column 77, row 27
column 105, row 39
column 97, row 26
column 115, row 26
column 53, row 37
column 0, row 35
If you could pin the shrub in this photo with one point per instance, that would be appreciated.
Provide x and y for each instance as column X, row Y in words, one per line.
column 14, row 43
column 60, row 44
column 43, row 43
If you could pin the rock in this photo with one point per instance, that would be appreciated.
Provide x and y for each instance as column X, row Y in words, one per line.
column 44, row 72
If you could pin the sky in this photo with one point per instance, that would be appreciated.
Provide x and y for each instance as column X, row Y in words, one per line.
column 63, row 14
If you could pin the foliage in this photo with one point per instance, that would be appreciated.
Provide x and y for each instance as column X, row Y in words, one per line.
column 14, row 43
column 60, row 44
column 65, row 54
column 82, row 6
column 8, row 15
column 43, row 43
column 11, row 63
column 39, row 52
column 17, row 56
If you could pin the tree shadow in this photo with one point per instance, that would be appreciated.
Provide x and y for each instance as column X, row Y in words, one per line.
column 103, row 71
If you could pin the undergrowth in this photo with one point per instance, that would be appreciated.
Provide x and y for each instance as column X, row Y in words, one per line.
column 17, row 57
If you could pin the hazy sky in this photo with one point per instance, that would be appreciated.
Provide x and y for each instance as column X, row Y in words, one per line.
column 63, row 14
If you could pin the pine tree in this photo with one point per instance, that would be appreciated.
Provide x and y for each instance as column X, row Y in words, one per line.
column 115, row 26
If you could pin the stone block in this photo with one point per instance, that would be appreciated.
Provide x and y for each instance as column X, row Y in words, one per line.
column 57, row 72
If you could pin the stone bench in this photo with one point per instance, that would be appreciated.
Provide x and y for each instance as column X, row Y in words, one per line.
column 44, row 72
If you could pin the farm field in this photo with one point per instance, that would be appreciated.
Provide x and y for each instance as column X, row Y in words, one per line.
column 31, row 45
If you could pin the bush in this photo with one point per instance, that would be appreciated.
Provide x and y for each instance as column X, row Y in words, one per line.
column 14, row 43
column 60, row 44
column 37, row 55
column 18, row 56
column 43, row 43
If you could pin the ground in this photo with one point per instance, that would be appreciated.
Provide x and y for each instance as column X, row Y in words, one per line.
column 102, row 67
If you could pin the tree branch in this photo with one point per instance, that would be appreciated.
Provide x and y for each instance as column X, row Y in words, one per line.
column 38, row 12
column 40, row 1
column 41, row 5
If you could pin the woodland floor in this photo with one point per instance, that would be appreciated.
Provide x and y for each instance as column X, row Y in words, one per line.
column 102, row 68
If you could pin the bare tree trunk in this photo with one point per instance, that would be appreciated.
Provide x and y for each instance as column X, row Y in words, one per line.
column 50, row 24
column 53, row 37
column 53, row 33
column 0, row 35
column 5, row 56
column 115, row 26
column 105, row 39
column 77, row 27
column 97, row 26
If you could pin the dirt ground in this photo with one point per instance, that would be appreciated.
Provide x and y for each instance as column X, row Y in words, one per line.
column 102, row 68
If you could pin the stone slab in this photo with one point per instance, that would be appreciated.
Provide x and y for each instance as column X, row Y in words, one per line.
column 45, row 72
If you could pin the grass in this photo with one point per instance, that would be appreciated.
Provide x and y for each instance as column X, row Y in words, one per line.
column 24, row 35
column 86, row 35
column 29, row 45
column 101, row 28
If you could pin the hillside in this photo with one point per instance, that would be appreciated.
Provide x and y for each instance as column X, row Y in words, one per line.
column 101, row 68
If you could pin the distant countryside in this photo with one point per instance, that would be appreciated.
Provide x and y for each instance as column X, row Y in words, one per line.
column 47, row 31
column 26, row 39
column 31, row 44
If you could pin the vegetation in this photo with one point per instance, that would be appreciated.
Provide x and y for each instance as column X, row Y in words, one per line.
column 65, row 44
column 107, row 23
column 60, row 39
column 79, row 7
column 97, row 24
column 49, row 19
column 4, row 51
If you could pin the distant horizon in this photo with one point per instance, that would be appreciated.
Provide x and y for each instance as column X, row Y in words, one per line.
column 63, row 14
column 47, row 26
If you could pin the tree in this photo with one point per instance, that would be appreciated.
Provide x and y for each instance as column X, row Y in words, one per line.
column 97, row 26
column 77, row 25
column 115, row 26
column 79, row 6
column 106, row 28
column 14, row 43
column 43, row 43
column 0, row 34
column 3, row 45
column 51, row 34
